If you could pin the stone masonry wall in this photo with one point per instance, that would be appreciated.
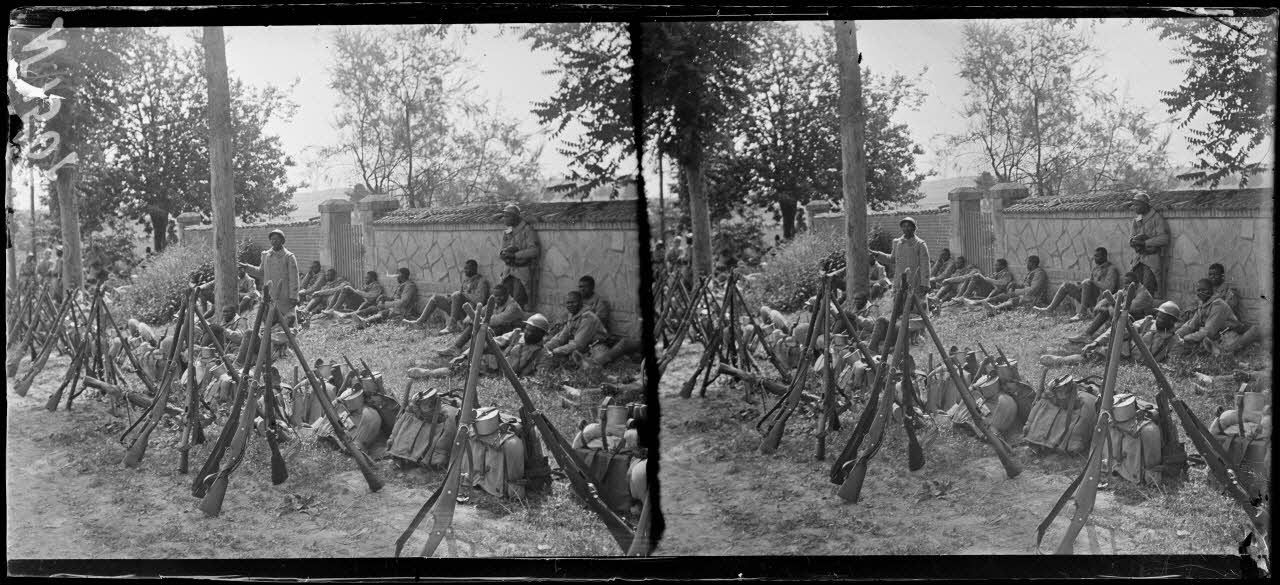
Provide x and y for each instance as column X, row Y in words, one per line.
column 435, row 254
column 1240, row 240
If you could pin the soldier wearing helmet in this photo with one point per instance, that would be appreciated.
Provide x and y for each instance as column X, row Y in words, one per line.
column 279, row 268
column 1155, row 330
column 523, row 348
column 520, row 250
column 1150, row 239
column 909, row 252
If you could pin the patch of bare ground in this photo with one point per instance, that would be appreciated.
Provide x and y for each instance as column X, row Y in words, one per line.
column 720, row 496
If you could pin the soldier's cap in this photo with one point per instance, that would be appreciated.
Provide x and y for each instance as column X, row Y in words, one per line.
column 274, row 233
column 1170, row 308
column 512, row 209
column 537, row 320
column 909, row 220
column 1140, row 196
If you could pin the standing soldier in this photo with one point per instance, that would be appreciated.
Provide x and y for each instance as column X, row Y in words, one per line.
column 520, row 254
column 279, row 267
column 909, row 252
column 1150, row 239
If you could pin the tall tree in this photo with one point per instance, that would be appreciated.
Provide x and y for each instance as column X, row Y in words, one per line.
column 786, row 147
column 690, row 89
column 410, row 123
column 58, row 83
column 854, row 162
column 1040, row 112
column 221, row 171
column 145, row 154
column 1231, row 80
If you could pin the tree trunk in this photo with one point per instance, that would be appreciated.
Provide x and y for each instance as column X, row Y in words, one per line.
column 11, row 221
column 853, row 162
column 691, row 169
column 159, row 224
column 68, row 204
column 787, row 207
column 221, row 173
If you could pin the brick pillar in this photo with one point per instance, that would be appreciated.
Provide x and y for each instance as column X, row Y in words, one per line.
column 955, row 196
column 1002, row 195
column 812, row 210
column 335, row 214
column 368, row 210
column 184, row 220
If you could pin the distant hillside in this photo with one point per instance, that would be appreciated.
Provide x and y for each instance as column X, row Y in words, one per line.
column 308, row 204
column 935, row 191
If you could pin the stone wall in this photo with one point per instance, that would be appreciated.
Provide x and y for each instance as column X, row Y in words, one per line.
column 1241, row 240
column 435, row 253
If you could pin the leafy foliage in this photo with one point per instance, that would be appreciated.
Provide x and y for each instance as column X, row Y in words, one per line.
column 1040, row 113
column 792, row 274
column 1231, row 79
column 113, row 252
column 410, row 124
column 743, row 239
column 157, row 289
column 145, row 154
column 785, row 147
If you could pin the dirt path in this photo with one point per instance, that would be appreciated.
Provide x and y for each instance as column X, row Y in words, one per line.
column 722, row 497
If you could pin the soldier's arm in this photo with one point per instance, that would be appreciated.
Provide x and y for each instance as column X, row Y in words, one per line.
column 558, row 339
column 883, row 258
column 587, row 331
column 408, row 293
column 1161, row 237
column 1214, row 323
column 531, row 247
column 254, row 271
column 485, row 291
column 509, row 314
column 291, row 276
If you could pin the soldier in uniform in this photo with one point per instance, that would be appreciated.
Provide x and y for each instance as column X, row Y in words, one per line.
column 398, row 305
column 506, row 316
column 519, row 253
column 909, row 252
column 1150, row 239
column 594, row 301
column 324, row 292
column 582, row 331
column 474, row 291
column 279, row 268
column 368, row 295
column 1105, row 276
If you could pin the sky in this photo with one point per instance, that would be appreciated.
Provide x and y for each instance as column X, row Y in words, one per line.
column 508, row 71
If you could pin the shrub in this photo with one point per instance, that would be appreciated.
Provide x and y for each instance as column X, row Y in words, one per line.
column 744, row 240
column 113, row 252
column 792, row 275
column 156, row 290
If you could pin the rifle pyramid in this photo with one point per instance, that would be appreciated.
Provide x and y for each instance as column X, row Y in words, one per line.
column 440, row 505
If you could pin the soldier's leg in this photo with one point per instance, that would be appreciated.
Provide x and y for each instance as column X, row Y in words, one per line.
column 1067, row 290
column 518, row 290
column 1089, row 293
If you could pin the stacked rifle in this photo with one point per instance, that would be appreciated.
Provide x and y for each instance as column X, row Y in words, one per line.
column 441, row 504
column 1084, row 489
column 38, row 327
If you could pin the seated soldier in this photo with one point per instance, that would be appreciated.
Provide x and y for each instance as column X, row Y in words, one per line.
column 1156, row 330
column 1142, row 306
column 364, row 298
column 879, row 278
column 943, row 268
column 396, row 306
column 507, row 315
column 1105, row 276
column 246, row 291
column 311, row 281
column 474, row 291
column 1034, row 289
column 1221, row 289
column 593, row 301
column 979, row 286
column 774, row 318
column 1214, row 327
column 959, row 276
column 522, row 348
column 325, row 292
column 579, row 333
column 872, row 330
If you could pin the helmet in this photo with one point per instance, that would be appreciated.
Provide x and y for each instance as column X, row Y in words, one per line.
column 1170, row 308
column 539, row 321
column 276, row 232
column 909, row 220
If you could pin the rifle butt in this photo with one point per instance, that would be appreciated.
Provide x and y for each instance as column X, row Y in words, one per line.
column 183, row 461
column 915, row 455
column 851, row 489
column 821, row 454
column 1067, row 546
column 51, row 405
column 211, row 503
column 774, row 438
column 11, row 366
column 279, row 473
column 138, row 449
column 24, row 384
column 366, row 469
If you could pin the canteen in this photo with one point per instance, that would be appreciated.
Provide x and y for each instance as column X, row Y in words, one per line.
column 1126, row 406
column 616, row 419
column 353, row 399
column 1008, row 372
column 372, row 384
column 988, row 386
column 1254, row 404
column 487, row 420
